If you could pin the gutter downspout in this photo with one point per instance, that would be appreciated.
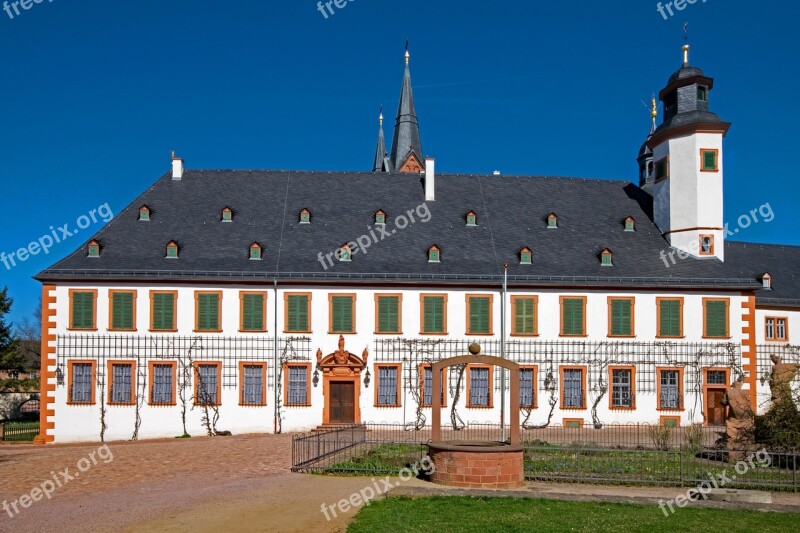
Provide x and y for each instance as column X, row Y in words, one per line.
column 276, row 359
column 503, row 353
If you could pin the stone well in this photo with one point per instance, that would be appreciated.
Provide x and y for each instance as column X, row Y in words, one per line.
column 476, row 464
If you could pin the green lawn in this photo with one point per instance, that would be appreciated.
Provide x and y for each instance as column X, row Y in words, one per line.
column 465, row 514
column 382, row 459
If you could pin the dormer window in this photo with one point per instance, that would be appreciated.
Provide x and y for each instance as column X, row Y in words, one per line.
column 434, row 254
column 93, row 250
column 380, row 218
column 144, row 214
column 606, row 258
column 472, row 219
column 172, row 250
column 706, row 245
column 305, row 216
column 630, row 224
column 766, row 282
column 702, row 94
column 552, row 221
column 255, row 252
column 227, row 215
column 525, row 256
column 345, row 254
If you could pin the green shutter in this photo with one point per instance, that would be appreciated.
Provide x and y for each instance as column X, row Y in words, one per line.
column 621, row 323
column 524, row 319
column 479, row 310
column 342, row 309
column 208, row 312
column 82, row 310
column 572, row 316
column 122, row 310
column 298, row 313
column 434, row 314
column 163, row 312
column 253, row 312
column 388, row 314
column 670, row 318
column 709, row 160
column 716, row 319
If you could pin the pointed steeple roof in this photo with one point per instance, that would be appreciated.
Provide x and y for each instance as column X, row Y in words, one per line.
column 380, row 151
column 406, row 133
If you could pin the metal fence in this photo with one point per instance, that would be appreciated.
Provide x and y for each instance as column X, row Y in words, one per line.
column 626, row 454
column 19, row 431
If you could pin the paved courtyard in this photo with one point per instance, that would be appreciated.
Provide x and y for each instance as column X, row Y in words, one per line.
column 240, row 483
column 175, row 485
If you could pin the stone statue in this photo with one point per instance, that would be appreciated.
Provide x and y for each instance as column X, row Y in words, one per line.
column 781, row 378
column 740, row 423
column 341, row 356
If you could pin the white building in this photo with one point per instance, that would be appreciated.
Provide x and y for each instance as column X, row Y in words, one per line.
column 264, row 301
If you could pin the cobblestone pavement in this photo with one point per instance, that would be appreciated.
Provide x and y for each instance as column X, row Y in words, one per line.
column 157, row 484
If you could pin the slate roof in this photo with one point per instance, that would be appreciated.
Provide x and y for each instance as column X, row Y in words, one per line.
column 511, row 211
column 781, row 262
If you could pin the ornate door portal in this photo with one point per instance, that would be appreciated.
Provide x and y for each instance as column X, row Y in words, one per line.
column 341, row 385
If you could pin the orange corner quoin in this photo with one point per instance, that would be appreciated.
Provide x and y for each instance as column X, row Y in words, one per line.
column 47, row 390
column 749, row 356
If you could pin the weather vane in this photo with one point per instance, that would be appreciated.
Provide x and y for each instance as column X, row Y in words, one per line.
column 686, row 32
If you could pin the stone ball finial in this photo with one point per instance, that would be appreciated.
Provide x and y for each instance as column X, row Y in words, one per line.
column 474, row 348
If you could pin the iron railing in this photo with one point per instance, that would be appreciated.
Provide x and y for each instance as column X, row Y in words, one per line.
column 19, row 431
column 638, row 454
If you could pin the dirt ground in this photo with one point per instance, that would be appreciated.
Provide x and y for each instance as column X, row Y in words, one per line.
column 197, row 484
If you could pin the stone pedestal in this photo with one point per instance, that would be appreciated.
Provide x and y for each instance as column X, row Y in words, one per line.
column 478, row 465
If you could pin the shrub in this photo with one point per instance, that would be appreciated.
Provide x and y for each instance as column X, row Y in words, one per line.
column 661, row 436
column 693, row 435
column 779, row 428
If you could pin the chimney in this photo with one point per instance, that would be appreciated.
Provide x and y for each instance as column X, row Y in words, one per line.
column 430, row 179
column 177, row 167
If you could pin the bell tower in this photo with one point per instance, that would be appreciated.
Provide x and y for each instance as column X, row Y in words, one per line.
column 687, row 158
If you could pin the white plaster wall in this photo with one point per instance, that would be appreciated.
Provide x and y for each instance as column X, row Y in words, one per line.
column 793, row 316
column 82, row 423
column 690, row 198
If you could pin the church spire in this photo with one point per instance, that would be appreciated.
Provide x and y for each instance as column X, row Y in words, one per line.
column 380, row 151
column 407, row 153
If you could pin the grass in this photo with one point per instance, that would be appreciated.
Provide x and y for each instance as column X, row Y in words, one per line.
column 465, row 514
column 640, row 465
column 29, row 431
column 382, row 459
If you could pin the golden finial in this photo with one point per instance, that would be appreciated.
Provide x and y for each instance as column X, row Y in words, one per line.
column 408, row 56
column 654, row 109
column 686, row 43
column 380, row 117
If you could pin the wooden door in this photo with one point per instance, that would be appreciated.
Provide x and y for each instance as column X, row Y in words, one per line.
column 715, row 410
column 342, row 403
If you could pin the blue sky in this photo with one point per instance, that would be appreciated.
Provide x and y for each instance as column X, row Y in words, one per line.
column 95, row 94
